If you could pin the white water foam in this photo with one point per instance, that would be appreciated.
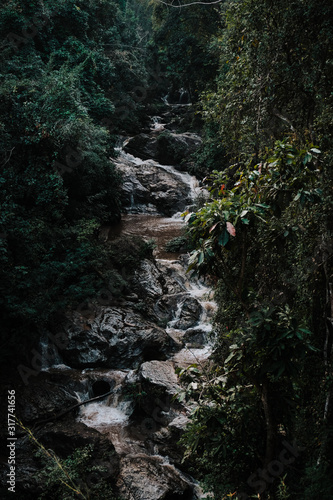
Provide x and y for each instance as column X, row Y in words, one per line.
column 98, row 414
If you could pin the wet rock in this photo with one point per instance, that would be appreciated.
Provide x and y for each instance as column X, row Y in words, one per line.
column 149, row 188
column 132, row 191
column 158, row 384
column 142, row 146
column 65, row 436
column 41, row 400
column 117, row 339
column 174, row 149
column 166, row 307
column 165, row 440
column 150, row 478
column 195, row 336
column 174, row 277
column 189, row 314
column 168, row 148
column 160, row 374
column 149, row 280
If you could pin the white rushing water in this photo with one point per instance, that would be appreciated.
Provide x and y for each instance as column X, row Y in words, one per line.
column 101, row 414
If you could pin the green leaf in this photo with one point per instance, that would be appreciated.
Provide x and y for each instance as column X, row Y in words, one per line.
column 307, row 158
column 201, row 258
column 231, row 355
column 223, row 238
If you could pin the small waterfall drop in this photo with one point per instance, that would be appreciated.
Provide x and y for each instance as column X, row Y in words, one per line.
column 50, row 356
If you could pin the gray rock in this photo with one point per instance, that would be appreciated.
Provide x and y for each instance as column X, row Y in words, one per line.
column 117, row 338
column 174, row 276
column 195, row 336
column 165, row 440
column 151, row 478
column 149, row 280
column 167, row 148
column 149, row 188
column 41, row 400
column 142, row 146
column 160, row 374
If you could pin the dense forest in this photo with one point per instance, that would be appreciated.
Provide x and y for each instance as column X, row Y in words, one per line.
column 71, row 75
column 74, row 76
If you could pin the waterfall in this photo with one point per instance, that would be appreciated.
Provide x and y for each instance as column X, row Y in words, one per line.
column 156, row 125
column 50, row 356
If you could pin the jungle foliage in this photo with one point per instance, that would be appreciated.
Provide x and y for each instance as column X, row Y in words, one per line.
column 265, row 235
column 184, row 41
column 72, row 75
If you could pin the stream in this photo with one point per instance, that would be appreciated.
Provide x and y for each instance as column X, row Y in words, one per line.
column 141, row 417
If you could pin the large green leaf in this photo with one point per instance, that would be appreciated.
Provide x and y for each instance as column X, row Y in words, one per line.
column 223, row 238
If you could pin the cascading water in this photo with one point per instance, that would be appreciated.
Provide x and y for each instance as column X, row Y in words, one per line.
column 186, row 312
column 50, row 356
column 195, row 338
column 157, row 126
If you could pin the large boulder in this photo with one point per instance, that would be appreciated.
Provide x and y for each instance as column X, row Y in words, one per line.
column 152, row 478
column 117, row 338
column 168, row 148
column 195, row 337
column 165, row 439
column 150, row 188
column 176, row 149
column 157, row 406
column 142, row 146
column 174, row 276
column 149, row 281
column 42, row 399
column 65, row 436
column 160, row 374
